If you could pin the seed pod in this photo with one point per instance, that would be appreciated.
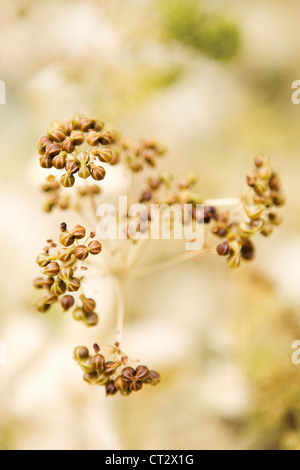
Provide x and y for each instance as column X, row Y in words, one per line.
column 64, row 254
column 267, row 230
column 99, row 125
column 264, row 172
column 235, row 246
column 59, row 287
column 88, row 305
column 106, row 138
column 116, row 158
column 42, row 307
column 86, row 365
column 110, row 388
column 146, row 196
column 86, row 124
column 84, row 172
column 96, row 348
column 52, row 269
column 66, row 273
column 247, row 250
column 154, row 183
column 43, row 259
column 105, row 155
column 121, row 385
column 72, row 166
column 68, row 146
column 277, row 198
column 59, row 161
column 154, row 378
column 66, row 238
column 53, row 149
column 223, row 249
column 46, row 161
column 220, row 230
column 135, row 386
column 111, row 367
column 247, row 230
column 142, row 373
column 90, row 378
column 94, row 247
column 81, row 353
column 67, row 180
column 67, row 302
column 73, row 284
column 81, row 252
column 68, row 127
column 50, row 298
column 91, row 319
column 234, row 261
column 150, row 157
column 57, row 135
column 78, row 232
column 128, row 374
column 93, row 138
column 254, row 212
column 77, row 137
column 98, row 172
column 98, row 362
column 261, row 160
column 260, row 187
column 44, row 141
column 275, row 183
column 274, row 218
column 78, row 314
column 38, row 283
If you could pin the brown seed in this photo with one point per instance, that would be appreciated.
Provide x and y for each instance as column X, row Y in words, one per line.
column 135, row 386
column 46, row 161
column 84, row 172
column 68, row 146
column 121, row 385
column 154, row 377
column 44, row 141
column 106, row 138
column 66, row 273
column 78, row 314
column 67, row 302
column 50, row 298
column 98, row 126
column 59, row 161
column 98, row 172
column 77, row 137
column 43, row 260
column 111, row 367
column 72, row 166
column 94, row 247
column 223, row 249
column 53, row 149
column 142, row 373
column 64, row 254
column 110, row 388
column 41, row 307
column 63, row 227
column 275, row 183
column 67, row 180
column 52, row 269
column 247, row 250
column 73, row 285
column 86, row 124
column 78, row 232
column 68, row 127
column 98, row 362
column 146, row 196
column 59, row 287
column 81, row 252
column 57, row 135
column 96, row 348
column 81, row 353
column 105, row 155
column 88, row 305
column 93, row 138
column 66, row 239
column 128, row 374
column 91, row 319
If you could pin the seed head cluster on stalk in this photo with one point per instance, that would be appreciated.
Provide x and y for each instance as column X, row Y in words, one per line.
column 78, row 155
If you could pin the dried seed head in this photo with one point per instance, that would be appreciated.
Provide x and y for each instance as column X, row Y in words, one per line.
column 110, row 388
column 254, row 212
column 77, row 137
column 66, row 239
column 67, row 302
column 94, row 247
column 97, row 172
column 86, row 366
column 59, row 161
column 141, row 373
column 86, row 124
column 105, row 155
column 81, row 353
column 78, row 232
column 53, row 149
column 68, row 146
column 73, row 284
column 111, row 367
column 98, row 125
column 59, row 287
column 57, row 135
column 106, row 138
column 44, row 141
column 81, row 252
column 93, row 138
column 46, row 161
column 66, row 273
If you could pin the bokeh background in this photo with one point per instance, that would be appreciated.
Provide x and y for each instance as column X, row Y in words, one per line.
column 212, row 80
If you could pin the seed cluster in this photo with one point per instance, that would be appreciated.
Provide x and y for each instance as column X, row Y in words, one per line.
column 117, row 375
column 140, row 155
column 59, row 263
column 260, row 203
column 74, row 146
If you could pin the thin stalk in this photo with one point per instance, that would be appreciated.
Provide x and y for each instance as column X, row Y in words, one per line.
column 121, row 299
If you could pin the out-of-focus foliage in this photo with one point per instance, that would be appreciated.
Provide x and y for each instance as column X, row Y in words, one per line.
column 211, row 34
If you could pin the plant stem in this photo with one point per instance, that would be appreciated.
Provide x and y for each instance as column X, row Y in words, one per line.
column 121, row 299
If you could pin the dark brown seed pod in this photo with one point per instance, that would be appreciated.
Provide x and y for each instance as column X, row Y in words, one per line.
column 63, row 227
column 135, row 386
column 105, row 155
column 111, row 367
column 66, row 239
column 81, row 252
column 121, row 385
column 96, row 348
column 154, row 378
column 59, row 287
column 97, row 172
column 73, row 284
column 68, row 146
column 110, row 388
column 46, row 161
column 80, row 354
column 59, row 161
column 99, row 125
column 64, row 254
column 88, row 305
column 93, row 138
column 53, row 149
column 141, row 373
column 72, row 166
column 128, row 374
column 223, row 249
column 90, row 377
column 67, row 180
column 86, row 124
column 50, row 298
column 68, row 127
column 91, row 319
column 247, row 250
column 67, row 302
column 43, row 259
column 66, row 273
column 78, row 232
column 44, row 141
column 94, row 247
column 52, row 269
column 275, row 183
column 77, row 137
column 98, row 362
column 42, row 307
column 106, row 138
column 57, row 135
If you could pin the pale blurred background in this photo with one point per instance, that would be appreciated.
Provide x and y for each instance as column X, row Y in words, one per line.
column 212, row 80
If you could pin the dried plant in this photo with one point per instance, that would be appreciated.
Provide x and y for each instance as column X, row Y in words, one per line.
column 73, row 149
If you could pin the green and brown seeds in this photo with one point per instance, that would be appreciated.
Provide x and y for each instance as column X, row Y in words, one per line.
column 60, row 265
column 261, row 203
column 75, row 146
column 115, row 375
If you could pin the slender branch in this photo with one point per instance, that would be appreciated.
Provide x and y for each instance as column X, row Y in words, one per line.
column 121, row 299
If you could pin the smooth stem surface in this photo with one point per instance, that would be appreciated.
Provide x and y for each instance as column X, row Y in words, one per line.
column 121, row 299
